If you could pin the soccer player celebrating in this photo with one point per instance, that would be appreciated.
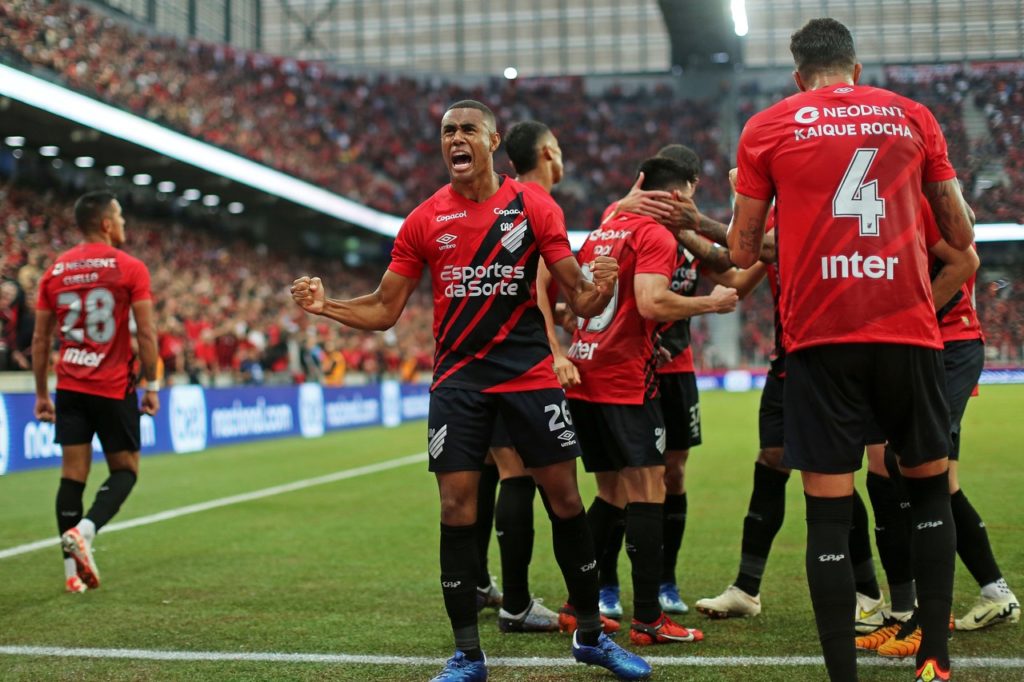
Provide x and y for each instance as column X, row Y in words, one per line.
column 617, row 416
column 482, row 237
column 846, row 165
column 90, row 293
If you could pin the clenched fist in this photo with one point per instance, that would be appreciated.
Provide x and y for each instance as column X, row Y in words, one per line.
column 309, row 294
column 605, row 271
column 724, row 299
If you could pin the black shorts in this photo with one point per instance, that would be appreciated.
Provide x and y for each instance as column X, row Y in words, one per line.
column 82, row 415
column 769, row 419
column 618, row 436
column 500, row 437
column 964, row 361
column 680, row 405
column 461, row 427
column 771, row 426
column 830, row 390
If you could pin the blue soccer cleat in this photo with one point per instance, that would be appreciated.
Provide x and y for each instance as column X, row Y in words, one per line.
column 461, row 669
column 609, row 603
column 611, row 656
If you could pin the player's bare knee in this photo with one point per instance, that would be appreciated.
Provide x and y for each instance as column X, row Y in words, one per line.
column 123, row 461
column 926, row 470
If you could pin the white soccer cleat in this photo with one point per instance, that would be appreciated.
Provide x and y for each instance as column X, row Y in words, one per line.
column 74, row 585
column 77, row 546
column 986, row 611
column 869, row 614
column 733, row 603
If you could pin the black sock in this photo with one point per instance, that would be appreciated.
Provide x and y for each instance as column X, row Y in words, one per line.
column 643, row 546
column 69, row 505
column 830, row 577
column 892, row 536
column 765, row 513
column 860, row 551
column 605, row 521
column 674, row 525
column 574, row 552
column 111, row 496
column 458, row 584
column 972, row 542
column 513, row 522
column 484, row 519
column 934, row 557
column 608, row 564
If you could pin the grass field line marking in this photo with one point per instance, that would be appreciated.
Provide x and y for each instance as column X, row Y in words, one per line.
column 520, row 662
column 227, row 501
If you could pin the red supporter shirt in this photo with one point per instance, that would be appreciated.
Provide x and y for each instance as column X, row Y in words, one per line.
column 615, row 350
column 845, row 165
column 483, row 260
column 958, row 319
column 91, row 288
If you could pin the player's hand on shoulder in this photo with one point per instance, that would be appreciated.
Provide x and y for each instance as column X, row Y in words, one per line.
column 44, row 410
column 150, row 403
column 308, row 292
column 605, row 271
column 724, row 299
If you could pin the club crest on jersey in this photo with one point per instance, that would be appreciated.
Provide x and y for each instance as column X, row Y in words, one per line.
column 447, row 241
column 513, row 239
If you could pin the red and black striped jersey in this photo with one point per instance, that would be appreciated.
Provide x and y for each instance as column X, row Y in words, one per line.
column 676, row 335
column 615, row 350
column 483, row 259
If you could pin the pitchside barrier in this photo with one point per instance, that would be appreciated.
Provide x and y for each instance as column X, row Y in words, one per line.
column 193, row 418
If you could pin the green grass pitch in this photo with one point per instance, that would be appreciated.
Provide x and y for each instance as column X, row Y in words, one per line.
column 351, row 566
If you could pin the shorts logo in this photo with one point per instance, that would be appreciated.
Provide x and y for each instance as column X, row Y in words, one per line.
column 807, row 115
column 567, row 437
column 514, row 239
column 435, row 441
column 928, row 524
column 824, row 558
column 660, row 439
column 446, row 241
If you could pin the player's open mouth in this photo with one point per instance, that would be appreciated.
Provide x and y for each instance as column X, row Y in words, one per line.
column 461, row 161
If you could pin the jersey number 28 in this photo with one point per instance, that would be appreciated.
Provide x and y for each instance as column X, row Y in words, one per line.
column 99, row 315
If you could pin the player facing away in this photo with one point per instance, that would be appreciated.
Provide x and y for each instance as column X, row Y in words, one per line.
column 846, row 165
column 618, row 418
column 89, row 294
column 492, row 357
column 677, row 383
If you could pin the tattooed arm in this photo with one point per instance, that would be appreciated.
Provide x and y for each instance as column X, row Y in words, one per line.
column 952, row 214
column 711, row 255
column 746, row 232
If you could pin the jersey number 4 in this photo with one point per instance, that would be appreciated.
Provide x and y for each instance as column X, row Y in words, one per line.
column 858, row 199
column 99, row 315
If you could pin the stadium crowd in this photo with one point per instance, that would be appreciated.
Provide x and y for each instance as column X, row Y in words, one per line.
column 222, row 307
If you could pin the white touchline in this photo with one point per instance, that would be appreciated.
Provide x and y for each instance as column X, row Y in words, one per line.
column 370, row 659
column 227, row 501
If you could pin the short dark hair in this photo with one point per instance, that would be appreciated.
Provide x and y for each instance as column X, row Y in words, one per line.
column 822, row 45
column 521, row 142
column 90, row 209
column 685, row 157
column 662, row 173
column 479, row 106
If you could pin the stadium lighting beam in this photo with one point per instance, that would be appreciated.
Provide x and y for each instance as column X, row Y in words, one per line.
column 49, row 150
column 85, row 162
column 166, row 187
column 142, row 179
column 511, row 73
column 115, row 171
column 739, row 17
column 14, row 141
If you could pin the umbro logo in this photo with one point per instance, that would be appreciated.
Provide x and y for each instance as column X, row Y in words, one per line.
column 446, row 241
column 567, row 437
column 435, row 441
column 513, row 239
